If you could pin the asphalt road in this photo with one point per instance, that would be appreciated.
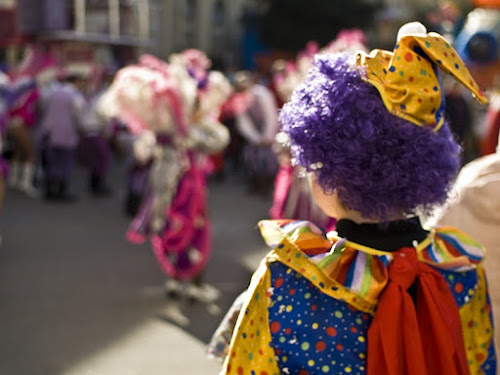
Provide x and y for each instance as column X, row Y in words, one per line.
column 77, row 299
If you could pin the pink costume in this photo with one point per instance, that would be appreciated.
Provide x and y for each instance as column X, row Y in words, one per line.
column 9, row 95
column 176, row 130
column 37, row 66
column 26, row 108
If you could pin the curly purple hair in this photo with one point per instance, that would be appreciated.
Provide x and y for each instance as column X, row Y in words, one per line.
column 379, row 164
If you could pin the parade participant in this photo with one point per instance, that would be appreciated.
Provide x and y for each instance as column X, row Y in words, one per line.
column 381, row 295
column 60, row 129
column 22, row 119
column 258, row 125
column 29, row 78
column 478, row 45
column 9, row 94
column 173, row 109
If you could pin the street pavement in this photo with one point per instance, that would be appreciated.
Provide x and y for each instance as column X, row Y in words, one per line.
column 77, row 299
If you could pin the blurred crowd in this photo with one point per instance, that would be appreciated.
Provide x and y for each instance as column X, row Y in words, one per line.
column 52, row 119
column 180, row 121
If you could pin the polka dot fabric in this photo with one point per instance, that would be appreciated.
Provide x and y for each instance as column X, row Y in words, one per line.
column 408, row 81
column 477, row 326
column 313, row 333
column 300, row 320
column 462, row 284
column 250, row 352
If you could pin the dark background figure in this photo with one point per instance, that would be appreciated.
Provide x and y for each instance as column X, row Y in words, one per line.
column 258, row 125
column 60, row 131
column 95, row 149
column 459, row 116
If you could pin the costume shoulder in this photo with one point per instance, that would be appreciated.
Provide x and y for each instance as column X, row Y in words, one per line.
column 296, row 314
column 250, row 347
column 449, row 248
column 306, row 235
column 303, row 248
column 459, row 258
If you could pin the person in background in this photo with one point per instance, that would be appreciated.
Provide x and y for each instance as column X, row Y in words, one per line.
column 60, row 129
column 23, row 118
column 258, row 124
column 173, row 108
column 4, row 105
column 382, row 294
column 459, row 116
column 489, row 142
column 9, row 94
column 95, row 150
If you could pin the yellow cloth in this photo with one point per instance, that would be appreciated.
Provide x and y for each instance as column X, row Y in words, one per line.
column 477, row 326
column 251, row 349
column 408, row 78
column 250, row 345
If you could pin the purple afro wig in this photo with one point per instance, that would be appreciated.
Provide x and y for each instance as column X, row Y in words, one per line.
column 379, row 164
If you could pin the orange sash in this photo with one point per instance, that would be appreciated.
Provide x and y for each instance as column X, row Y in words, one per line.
column 421, row 338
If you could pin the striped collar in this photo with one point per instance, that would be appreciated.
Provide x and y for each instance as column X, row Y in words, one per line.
column 362, row 270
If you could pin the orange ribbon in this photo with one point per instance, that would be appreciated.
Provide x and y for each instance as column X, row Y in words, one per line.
column 421, row 338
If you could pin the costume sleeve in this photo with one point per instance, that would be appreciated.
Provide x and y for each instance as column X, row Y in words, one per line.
column 250, row 349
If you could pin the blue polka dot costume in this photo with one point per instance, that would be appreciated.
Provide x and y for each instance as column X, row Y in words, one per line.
column 312, row 300
column 338, row 343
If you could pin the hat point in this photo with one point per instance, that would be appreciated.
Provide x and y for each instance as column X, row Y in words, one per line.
column 411, row 28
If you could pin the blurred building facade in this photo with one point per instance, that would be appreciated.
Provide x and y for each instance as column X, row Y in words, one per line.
column 114, row 32
column 105, row 32
column 213, row 26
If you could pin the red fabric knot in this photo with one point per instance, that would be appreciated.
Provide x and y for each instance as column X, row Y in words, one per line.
column 421, row 338
column 404, row 268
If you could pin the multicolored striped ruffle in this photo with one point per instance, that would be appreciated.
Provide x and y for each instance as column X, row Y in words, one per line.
column 364, row 273
column 452, row 250
column 306, row 235
column 361, row 269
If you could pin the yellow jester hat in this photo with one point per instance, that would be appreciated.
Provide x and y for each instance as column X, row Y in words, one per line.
column 408, row 78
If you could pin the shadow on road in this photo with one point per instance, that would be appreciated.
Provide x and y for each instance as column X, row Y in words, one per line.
column 71, row 287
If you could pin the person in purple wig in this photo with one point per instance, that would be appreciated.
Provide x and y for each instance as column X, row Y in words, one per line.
column 381, row 294
column 378, row 164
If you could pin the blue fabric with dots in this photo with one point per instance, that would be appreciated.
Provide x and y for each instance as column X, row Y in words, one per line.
column 313, row 333
column 461, row 284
